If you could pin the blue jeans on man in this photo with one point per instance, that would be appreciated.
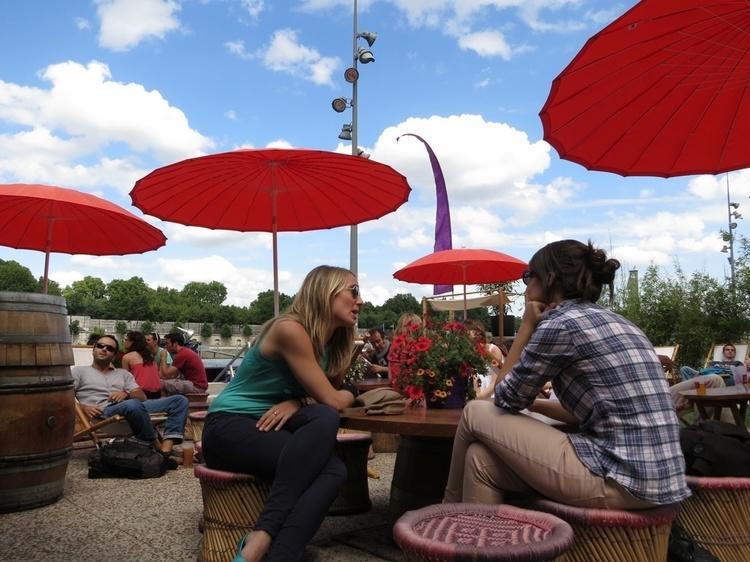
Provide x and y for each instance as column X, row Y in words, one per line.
column 136, row 413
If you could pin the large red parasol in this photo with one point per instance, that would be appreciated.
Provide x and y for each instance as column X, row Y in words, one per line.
column 271, row 190
column 664, row 90
column 56, row 219
column 464, row 266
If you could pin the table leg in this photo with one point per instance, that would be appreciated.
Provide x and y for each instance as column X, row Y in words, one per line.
column 420, row 473
column 702, row 411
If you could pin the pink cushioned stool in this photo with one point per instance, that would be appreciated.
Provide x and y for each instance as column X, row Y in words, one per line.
column 717, row 516
column 613, row 535
column 465, row 531
column 232, row 503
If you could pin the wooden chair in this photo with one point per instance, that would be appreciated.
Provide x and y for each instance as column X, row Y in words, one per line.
column 671, row 372
column 85, row 429
column 113, row 426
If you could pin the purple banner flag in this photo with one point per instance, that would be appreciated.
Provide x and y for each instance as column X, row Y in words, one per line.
column 443, row 236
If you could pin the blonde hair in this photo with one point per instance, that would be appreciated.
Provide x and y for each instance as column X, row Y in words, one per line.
column 313, row 308
column 406, row 320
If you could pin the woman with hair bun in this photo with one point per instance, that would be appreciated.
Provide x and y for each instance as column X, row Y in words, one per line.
column 609, row 382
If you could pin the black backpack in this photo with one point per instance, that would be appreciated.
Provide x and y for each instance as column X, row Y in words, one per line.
column 126, row 458
column 715, row 448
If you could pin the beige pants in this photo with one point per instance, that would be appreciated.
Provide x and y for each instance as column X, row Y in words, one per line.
column 496, row 452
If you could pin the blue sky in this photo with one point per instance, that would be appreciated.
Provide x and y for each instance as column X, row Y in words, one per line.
column 96, row 94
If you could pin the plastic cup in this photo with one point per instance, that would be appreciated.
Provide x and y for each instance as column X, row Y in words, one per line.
column 700, row 388
column 187, row 455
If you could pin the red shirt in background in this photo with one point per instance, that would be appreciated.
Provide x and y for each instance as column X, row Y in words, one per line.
column 191, row 366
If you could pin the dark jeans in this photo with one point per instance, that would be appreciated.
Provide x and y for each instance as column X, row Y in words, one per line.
column 306, row 476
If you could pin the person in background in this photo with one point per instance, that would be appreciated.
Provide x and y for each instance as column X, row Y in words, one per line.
column 160, row 354
column 493, row 352
column 407, row 323
column 609, row 383
column 378, row 358
column 187, row 374
column 720, row 367
column 139, row 360
column 104, row 391
column 278, row 417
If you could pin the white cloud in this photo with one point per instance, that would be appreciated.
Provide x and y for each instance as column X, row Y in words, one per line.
column 207, row 238
column 243, row 283
column 483, row 162
column 237, row 48
column 82, row 23
column 82, row 113
column 231, row 114
column 125, row 23
column 253, row 7
column 285, row 54
column 486, row 44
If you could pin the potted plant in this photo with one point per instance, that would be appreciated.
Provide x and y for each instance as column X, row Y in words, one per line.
column 438, row 364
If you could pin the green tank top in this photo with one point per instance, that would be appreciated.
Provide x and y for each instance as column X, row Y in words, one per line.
column 259, row 384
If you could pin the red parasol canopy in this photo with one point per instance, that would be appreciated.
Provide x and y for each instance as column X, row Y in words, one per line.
column 56, row 219
column 271, row 190
column 465, row 266
column 661, row 91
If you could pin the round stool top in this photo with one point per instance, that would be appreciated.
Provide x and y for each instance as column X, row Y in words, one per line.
column 198, row 416
column 353, row 437
column 718, row 483
column 463, row 531
column 198, row 406
column 634, row 519
column 220, row 477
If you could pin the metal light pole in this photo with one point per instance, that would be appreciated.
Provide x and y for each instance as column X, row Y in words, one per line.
column 349, row 130
column 353, row 233
column 729, row 237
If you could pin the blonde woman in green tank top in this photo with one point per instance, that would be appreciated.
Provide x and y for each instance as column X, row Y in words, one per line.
column 278, row 417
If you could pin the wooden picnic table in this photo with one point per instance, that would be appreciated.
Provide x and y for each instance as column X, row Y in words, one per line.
column 735, row 398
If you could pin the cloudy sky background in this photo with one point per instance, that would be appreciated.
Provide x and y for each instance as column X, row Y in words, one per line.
column 96, row 94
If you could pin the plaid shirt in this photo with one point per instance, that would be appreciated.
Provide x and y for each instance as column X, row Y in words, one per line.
column 605, row 372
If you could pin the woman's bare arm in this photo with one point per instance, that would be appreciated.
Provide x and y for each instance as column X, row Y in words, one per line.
column 289, row 340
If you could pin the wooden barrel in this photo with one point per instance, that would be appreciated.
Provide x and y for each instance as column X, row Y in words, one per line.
column 420, row 473
column 37, row 412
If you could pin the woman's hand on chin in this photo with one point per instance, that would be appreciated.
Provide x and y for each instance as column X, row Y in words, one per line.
column 533, row 311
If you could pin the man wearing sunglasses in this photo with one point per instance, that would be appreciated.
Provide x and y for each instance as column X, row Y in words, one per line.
column 104, row 391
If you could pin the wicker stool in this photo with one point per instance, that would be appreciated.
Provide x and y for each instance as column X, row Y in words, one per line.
column 613, row 535
column 465, row 531
column 354, row 497
column 232, row 503
column 197, row 396
column 197, row 419
column 717, row 516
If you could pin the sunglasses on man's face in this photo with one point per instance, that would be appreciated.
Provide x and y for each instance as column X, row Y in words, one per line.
column 110, row 348
column 526, row 276
column 354, row 289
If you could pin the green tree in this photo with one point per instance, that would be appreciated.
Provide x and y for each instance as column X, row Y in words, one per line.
column 206, row 330
column 53, row 287
column 403, row 302
column 16, row 277
column 226, row 331
column 86, row 296
column 247, row 331
column 128, row 299
column 213, row 293
column 75, row 328
column 121, row 328
column 147, row 327
column 261, row 309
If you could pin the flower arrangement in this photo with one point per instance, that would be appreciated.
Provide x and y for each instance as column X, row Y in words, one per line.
column 429, row 360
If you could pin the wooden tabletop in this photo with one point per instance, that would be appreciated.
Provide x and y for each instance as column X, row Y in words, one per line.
column 419, row 421
column 414, row 421
column 738, row 392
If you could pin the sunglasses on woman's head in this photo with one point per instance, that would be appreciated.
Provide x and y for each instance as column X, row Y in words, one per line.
column 526, row 276
column 110, row 348
column 354, row 289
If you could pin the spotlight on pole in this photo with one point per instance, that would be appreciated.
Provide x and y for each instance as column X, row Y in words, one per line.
column 346, row 132
column 339, row 105
column 369, row 36
column 365, row 56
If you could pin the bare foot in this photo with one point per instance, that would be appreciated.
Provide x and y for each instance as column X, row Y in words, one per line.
column 257, row 544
